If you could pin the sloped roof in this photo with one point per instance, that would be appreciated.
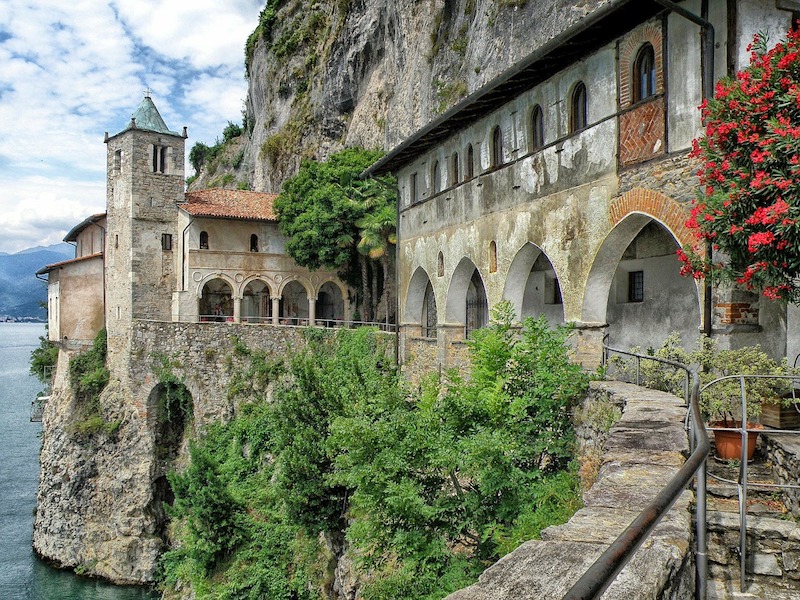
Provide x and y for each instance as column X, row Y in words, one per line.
column 230, row 204
column 71, row 261
column 72, row 234
column 147, row 117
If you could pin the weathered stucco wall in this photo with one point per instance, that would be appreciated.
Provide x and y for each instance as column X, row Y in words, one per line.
column 75, row 300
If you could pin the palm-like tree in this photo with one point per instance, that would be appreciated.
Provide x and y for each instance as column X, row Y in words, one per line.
column 378, row 234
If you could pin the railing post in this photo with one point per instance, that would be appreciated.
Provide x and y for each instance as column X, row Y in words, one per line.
column 743, row 492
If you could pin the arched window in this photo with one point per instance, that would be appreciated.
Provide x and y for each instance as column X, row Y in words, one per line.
column 254, row 243
column 437, row 178
column 454, row 169
column 497, row 147
column 413, row 188
column 440, row 265
column 579, row 108
column 537, row 128
column 644, row 73
column 470, row 163
column 203, row 240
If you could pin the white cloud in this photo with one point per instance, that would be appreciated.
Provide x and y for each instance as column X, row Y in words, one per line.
column 74, row 70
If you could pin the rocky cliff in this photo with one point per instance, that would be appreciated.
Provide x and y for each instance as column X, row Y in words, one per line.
column 337, row 73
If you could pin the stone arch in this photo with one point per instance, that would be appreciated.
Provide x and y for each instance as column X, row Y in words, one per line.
column 330, row 303
column 640, row 251
column 256, row 300
column 467, row 301
column 294, row 307
column 296, row 280
column 415, row 296
column 671, row 213
column 533, row 286
column 215, row 298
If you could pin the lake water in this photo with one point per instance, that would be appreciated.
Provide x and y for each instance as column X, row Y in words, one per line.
column 22, row 575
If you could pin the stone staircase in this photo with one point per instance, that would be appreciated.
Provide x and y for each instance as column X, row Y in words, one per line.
column 773, row 534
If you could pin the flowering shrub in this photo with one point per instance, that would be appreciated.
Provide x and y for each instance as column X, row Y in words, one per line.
column 748, row 206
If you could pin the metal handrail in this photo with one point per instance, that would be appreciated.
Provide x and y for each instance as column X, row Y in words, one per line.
column 267, row 321
column 600, row 575
column 741, row 483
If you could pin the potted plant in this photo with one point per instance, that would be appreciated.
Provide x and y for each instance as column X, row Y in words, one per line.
column 721, row 402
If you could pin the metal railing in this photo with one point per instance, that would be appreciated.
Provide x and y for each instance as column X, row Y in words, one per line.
column 741, row 482
column 602, row 573
column 282, row 321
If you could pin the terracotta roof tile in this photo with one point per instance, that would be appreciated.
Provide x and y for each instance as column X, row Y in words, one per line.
column 230, row 204
column 64, row 263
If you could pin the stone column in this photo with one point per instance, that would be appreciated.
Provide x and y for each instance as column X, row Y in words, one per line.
column 587, row 342
column 237, row 309
column 312, row 311
column 276, row 307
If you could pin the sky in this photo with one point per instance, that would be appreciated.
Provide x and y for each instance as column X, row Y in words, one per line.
column 70, row 71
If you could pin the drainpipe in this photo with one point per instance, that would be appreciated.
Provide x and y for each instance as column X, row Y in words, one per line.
column 183, row 254
column 707, row 66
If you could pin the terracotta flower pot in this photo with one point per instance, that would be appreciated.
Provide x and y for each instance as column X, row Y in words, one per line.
column 729, row 443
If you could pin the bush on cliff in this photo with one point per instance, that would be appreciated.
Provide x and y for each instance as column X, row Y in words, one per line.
column 428, row 487
column 88, row 377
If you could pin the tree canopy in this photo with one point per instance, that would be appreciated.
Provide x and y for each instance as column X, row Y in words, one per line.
column 335, row 220
column 749, row 202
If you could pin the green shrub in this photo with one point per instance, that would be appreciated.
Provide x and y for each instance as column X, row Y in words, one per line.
column 428, row 486
column 43, row 359
column 88, row 377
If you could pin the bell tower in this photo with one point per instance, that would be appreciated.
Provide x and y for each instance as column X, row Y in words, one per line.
column 145, row 180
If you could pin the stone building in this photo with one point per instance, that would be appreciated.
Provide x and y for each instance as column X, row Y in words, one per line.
column 562, row 186
column 163, row 254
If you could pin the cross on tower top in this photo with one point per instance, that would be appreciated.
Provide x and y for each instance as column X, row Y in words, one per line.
column 147, row 92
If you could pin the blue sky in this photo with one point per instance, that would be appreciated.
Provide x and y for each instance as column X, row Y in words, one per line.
column 70, row 71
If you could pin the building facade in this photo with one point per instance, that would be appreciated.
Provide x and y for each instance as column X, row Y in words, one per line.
column 563, row 187
column 163, row 254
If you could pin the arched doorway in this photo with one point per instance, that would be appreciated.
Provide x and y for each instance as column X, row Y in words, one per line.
column 216, row 301
column 330, row 305
column 636, row 287
column 294, row 304
column 256, row 303
column 466, row 297
column 429, row 318
column 532, row 286
column 420, row 304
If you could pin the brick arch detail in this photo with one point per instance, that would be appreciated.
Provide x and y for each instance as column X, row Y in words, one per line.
column 629, row 48
column 671, row 213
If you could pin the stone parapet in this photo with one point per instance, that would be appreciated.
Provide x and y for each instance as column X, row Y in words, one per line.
column 643, row 450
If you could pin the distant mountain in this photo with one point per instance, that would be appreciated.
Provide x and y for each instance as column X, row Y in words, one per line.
column 21, row 293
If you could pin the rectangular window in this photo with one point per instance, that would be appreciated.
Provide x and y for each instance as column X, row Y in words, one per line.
column 414, row 189
column 636, row 286
column 166, row 242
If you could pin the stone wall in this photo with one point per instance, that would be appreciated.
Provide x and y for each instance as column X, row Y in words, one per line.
column 642, row 451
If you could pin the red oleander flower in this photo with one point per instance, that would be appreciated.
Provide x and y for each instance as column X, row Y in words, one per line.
column 748, row 201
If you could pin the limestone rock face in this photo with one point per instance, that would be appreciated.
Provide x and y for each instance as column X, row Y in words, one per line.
column 95, row 498
column 371, row 72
